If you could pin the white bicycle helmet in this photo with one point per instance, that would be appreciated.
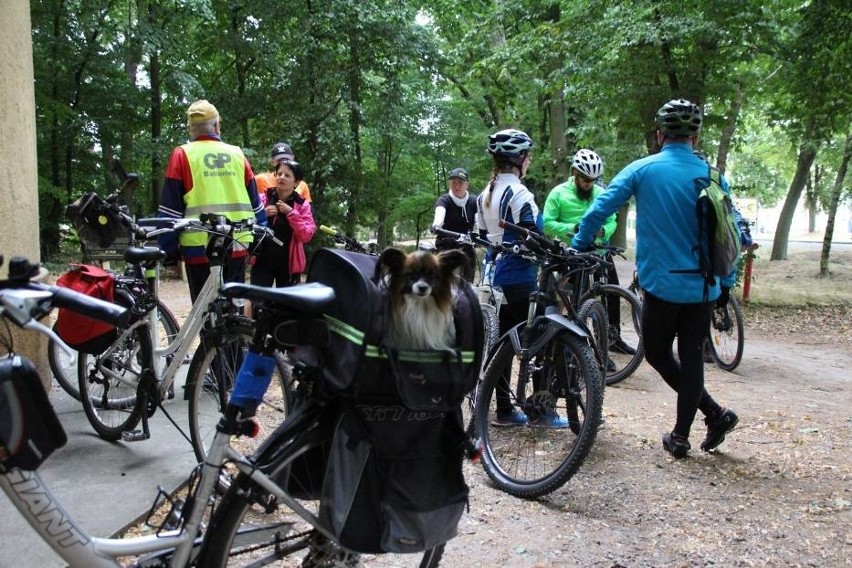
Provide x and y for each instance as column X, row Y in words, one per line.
column 510, row 143
column 588, row 163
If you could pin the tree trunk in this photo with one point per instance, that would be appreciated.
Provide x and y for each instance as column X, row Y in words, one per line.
column 807, row 154
column 156, row 132
column 834, row 201
column 558, row 143
column 728, row 132
column 354, row 74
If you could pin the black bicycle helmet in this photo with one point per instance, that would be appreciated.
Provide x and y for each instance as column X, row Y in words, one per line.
column 510, row 143
column 679, row 117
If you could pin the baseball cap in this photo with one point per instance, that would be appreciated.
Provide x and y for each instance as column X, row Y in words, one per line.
column 459, row 173
column 200, row 111
column 281, row 151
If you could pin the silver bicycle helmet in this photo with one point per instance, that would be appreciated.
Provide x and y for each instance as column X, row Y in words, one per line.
column 588, row 163
column 679, row 117
column 510, row 143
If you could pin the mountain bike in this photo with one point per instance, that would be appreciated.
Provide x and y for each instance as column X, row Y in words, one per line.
column 623, row 327
column 553, row 367
column 267, row 515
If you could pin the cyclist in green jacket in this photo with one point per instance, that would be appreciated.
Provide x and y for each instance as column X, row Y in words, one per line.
column 565, row 206
column 568, row 202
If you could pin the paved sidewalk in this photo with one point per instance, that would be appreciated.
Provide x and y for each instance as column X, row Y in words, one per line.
column 104, row 485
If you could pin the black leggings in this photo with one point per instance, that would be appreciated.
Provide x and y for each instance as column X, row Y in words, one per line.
column 661, row 322
column 513, row 312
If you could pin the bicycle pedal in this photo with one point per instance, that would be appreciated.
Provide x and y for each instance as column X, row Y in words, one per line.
column 134, row 436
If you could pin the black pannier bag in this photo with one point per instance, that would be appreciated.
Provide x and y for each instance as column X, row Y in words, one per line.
column 393, row 478
column 96, row 224
column 29, row 429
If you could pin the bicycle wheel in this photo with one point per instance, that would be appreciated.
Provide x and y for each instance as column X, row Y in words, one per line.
column 108, row 383
column 624, row 314
column 492, row 327
column 208, row 386
column 63, row 367
column 243, row 532
column 529, row 461
column 727, row 339
column 168, row 330
column 593, row 314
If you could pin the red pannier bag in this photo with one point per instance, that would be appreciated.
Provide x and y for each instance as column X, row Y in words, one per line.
column 80, row 332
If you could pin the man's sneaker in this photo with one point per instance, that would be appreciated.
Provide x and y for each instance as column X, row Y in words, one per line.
column 620, row 347
column 718, row 427
column 550, row 420
column 676, row 445
column 513, row 418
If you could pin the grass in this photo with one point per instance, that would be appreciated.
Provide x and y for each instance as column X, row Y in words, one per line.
column 796, row 281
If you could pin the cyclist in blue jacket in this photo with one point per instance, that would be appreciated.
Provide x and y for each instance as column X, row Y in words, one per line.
column 667, row 265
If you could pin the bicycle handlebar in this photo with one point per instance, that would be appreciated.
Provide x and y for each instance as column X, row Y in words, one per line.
column 348, row 242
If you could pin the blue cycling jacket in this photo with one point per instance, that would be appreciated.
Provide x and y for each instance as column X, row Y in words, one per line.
column 664, row 186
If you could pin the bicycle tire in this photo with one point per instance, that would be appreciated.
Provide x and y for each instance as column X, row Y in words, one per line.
column 491, row 323
column 244, row 533
column 628, row 329
column 63, row 367
column 593, row 314
column 110, row 403
column 727, row 339
column 528, row 461
column 169, row 329
column 207, row 398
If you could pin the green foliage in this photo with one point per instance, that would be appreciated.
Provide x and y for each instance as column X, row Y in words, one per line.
column 380, row 100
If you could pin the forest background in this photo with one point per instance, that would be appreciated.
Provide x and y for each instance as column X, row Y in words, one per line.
column 380, row 99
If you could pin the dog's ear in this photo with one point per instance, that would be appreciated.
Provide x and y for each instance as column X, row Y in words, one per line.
column 453, row 260
column 391, row 261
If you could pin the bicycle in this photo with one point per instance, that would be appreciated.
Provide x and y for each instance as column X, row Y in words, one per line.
column 125, row 384
column 129, row 287
column 246, row 527
column 726, row 336
column 623, row 327
column 553, row 365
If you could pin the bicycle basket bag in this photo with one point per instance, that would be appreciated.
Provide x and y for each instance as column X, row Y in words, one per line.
column 82, row 333
column 29, row 428
column 394, row 479
column 359, row 363
column 96, row 224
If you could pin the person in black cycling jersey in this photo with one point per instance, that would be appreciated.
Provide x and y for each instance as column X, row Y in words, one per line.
column 456, row 211
column 677, row 297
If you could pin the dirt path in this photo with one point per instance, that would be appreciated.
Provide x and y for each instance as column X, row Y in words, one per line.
column 776, row 494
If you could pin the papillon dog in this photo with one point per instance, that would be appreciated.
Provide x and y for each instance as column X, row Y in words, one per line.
column 421, row 286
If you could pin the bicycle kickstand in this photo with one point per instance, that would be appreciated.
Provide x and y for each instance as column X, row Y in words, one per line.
column 146, row 395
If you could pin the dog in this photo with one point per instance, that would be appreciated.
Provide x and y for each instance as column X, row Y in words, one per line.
column 421, row 286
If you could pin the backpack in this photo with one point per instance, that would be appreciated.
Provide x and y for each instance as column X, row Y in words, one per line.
column 80, row 332
column 718, row 237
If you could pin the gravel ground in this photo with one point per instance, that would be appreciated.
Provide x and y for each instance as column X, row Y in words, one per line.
column 776, row 493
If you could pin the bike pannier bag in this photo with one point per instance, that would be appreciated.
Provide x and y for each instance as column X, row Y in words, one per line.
column 359, row 363
column 29, row 428
column 82, row 333
column 394, row 480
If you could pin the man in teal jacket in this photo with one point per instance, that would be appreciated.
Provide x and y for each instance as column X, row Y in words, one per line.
column 676, row 300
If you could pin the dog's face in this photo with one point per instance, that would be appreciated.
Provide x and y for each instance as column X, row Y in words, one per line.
column 420, row 274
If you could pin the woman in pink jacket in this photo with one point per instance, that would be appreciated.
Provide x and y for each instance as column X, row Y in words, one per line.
column 291, row 218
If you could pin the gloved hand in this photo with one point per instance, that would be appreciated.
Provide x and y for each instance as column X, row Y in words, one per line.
column 723, row 298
